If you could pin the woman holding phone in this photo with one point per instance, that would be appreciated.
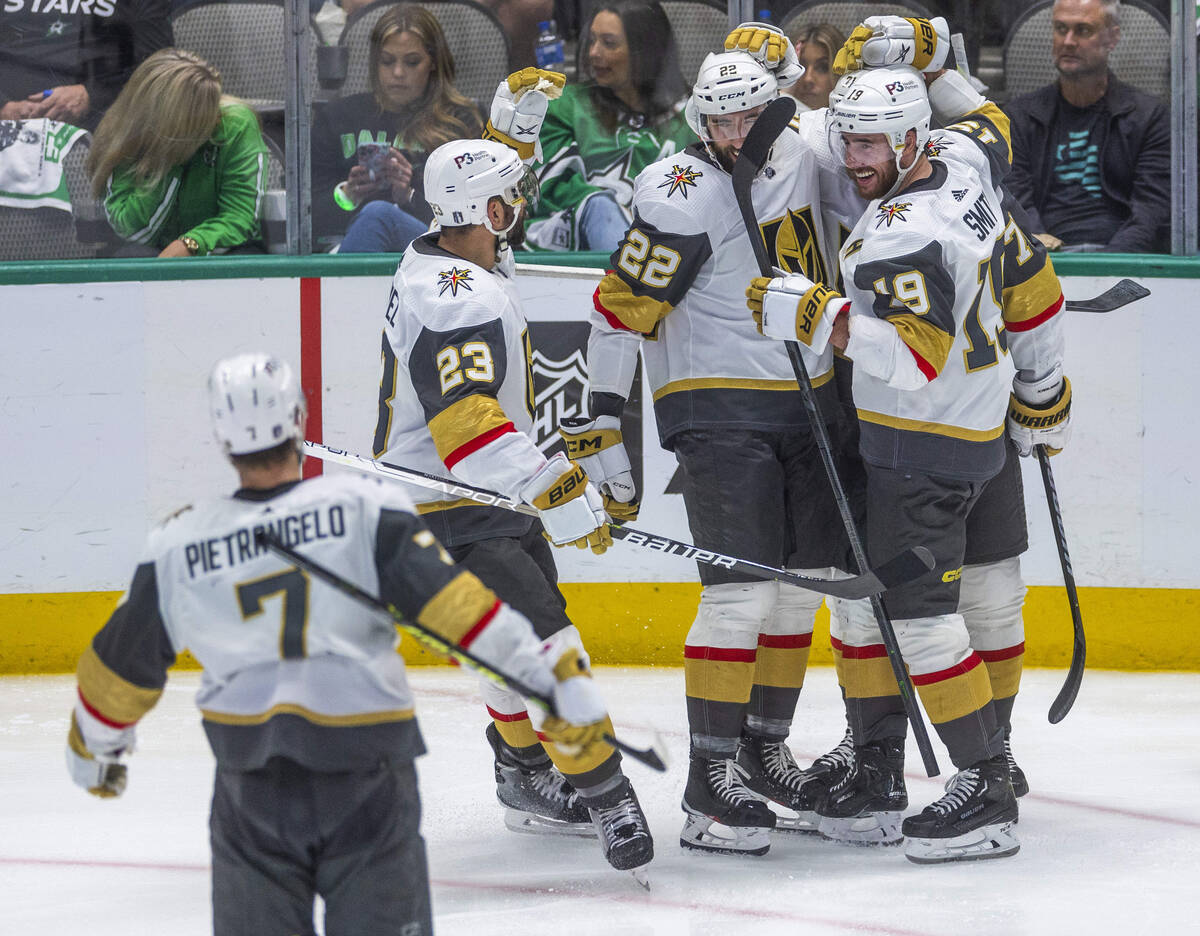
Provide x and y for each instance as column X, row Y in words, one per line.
column 369, row 149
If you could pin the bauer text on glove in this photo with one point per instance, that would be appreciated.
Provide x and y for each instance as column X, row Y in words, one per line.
column 568, row 505
column 895, row 40
column 519, row 108
column 794, row 308
column 597, row 447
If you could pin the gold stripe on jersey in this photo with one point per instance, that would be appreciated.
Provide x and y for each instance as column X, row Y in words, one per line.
column 638, row 313
column 956, row 697
column 783, row 667
column 989, row 125
column 465, row 420
column 458, row 607
column 718, row 680
column 1005, row 675
column 110, row 696
column 941, row 429
column 435, row 506
column 925, row 338
column 867, row 678
column 1033, row 297
column 734, row 383
column 358, row 719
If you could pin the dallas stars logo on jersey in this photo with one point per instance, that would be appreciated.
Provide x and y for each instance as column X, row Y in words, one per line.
column 452, row 279
column 892, row 212
column 679, row 179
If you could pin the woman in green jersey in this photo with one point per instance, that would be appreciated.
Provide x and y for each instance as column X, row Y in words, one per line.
column 181, row 166
column 626, row 114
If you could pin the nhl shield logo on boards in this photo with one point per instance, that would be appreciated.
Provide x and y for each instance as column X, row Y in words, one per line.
column 558, row 392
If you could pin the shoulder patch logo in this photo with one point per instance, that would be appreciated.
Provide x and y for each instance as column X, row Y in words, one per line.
column 679, row 178
column 453, row 279
column 959, row 194
column 893, row 212
column 935, row 147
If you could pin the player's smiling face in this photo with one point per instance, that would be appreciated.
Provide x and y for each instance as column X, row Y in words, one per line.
column 870, row 163
column 727, row 133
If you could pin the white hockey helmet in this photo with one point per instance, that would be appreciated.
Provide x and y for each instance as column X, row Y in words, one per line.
column 256, row 403
column 728, row 82
column 462, row 175
column 890, row 101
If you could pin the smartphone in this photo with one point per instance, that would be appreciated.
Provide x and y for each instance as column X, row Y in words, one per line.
column 372, row 156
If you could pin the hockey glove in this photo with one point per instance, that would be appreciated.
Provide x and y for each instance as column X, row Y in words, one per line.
column 597, row 447
column 100, row 774
column 580, row 718
column 769, row 45
column 569, row 507
column 1033, row 422
column 794, row 308
column 519, row 108
column 895, row 40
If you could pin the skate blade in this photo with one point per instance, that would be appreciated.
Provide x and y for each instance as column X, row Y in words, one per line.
column 882, row 828
column 786, row 818
column 990, row 841
column 527, row 823
column 702, row 833
column 639, row 875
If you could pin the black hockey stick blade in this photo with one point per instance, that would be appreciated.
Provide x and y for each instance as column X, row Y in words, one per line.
column 1066, row 696
column 653, row 757
column 904, row 568
column 753, row 156
column 1123, row 293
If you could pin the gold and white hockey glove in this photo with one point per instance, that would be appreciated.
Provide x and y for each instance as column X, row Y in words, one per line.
column 597, row 446
column 895, row 40
column 769, row 45
column 1040, row 414
column 519, row 108
column 101, row 774
column 569, row 506
column 580, row 718
column 794, row 308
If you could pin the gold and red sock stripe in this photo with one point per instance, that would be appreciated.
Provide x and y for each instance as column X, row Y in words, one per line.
column 782, row 660
column 718, row 674
column 1004, row 669
column 866, row 671
column 956, row 691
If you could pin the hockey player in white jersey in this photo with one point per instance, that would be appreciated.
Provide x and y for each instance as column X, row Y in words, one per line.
column 924, row 321
column 727, row 404
column 456, row 397
column 304, row 698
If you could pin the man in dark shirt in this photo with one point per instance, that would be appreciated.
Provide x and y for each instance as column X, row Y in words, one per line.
column 1091, row 155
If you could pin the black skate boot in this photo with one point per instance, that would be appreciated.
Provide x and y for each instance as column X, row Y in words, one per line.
column 723, row 814
column 773, row 774
column 1015, row 773
column 622, row 828
column 973, row 820
column 865, row 800
column 538, row 798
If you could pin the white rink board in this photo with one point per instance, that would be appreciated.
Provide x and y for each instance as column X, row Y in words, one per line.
column 105, row 421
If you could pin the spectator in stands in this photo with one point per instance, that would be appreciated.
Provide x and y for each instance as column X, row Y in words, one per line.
column 1091, row 155
column 411, row 109
column 816, row 47
column 520, row 20
column 626, row 113
column 181, row 166
column 70, row 65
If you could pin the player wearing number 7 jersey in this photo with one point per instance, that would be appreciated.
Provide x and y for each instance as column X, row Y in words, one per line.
column 304, row 698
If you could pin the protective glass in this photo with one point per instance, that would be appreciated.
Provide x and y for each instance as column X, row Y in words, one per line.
column 724, row 127
column 860, row 149
column 526, row 190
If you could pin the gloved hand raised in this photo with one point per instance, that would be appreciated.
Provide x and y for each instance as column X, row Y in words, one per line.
column 895, row 40
column 597, row 447
column 769, row 45
column 519, row 108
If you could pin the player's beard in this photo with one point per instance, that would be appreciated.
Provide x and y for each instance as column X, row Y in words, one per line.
column 879, row 184
column 516, row 234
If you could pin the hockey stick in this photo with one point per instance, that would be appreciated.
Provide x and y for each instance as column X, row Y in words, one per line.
column 651, row 757
column 1066, row 696
column 1123, row 293
column 905, row 567
column 753, row 156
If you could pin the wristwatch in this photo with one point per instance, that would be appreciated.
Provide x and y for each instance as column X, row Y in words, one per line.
column 192, row 245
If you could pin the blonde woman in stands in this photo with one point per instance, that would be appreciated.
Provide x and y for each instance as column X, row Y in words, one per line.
column 369, row 149
column 816, row 47
column 181, row 167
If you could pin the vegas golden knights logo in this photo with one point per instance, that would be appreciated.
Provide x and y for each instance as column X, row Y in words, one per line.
column 792, row 244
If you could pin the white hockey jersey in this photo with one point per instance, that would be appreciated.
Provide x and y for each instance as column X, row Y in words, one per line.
column 292, row 667
column 456, row 392
column 678, row 289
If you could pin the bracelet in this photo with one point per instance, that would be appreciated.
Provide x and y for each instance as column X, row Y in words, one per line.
column 343, row 200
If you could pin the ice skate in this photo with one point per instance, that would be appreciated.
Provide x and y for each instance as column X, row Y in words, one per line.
column 537, row 798
column 723, row 814
column 973, row 820
column 865, row 800
column 622, row 829
column 772, row 774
